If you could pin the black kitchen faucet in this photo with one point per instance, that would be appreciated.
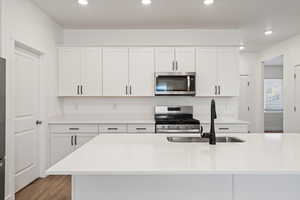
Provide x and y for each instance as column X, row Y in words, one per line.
column 213, row 116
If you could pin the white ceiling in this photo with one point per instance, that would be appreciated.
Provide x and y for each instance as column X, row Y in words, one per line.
column 252, row 17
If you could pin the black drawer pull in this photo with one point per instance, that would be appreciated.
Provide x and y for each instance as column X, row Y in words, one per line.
column 223, row 128
column 74, row 129
column 112, row 129
column 141, row 129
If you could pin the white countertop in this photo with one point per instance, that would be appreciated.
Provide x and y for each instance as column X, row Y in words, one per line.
column 100, row 119
column 119, row 119
column 154, row 155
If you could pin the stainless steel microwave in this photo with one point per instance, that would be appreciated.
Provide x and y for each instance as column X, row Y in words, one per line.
column 175, row 84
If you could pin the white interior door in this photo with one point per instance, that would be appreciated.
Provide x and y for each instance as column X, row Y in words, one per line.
column 185, row 57
column 115, row 71
column 141, row 71
column 92, row 72
column 297, row 99
column 245, row 99
column 26, row 109
column 164, row 58
column 228, row 71
column 206, row 68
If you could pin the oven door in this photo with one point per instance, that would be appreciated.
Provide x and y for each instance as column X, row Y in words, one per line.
column 179, row 84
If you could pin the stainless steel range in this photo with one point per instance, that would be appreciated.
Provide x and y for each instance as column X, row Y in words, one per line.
column 176, row 119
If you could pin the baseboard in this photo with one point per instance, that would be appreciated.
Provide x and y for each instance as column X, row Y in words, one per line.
column 9, row 197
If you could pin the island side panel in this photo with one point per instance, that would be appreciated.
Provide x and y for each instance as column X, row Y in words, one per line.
column 264, row 187
column 166, row 187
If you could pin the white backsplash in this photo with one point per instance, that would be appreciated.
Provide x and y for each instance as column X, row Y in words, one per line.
column 143, row 107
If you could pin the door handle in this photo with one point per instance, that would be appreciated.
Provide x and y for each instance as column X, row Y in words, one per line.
column 173, row 65
column 38, row 122
column 219, row 87
column 77, row 89
column 176, row 65
column 126, row 89
column 81, row 90
column 216, row 90
column 72, row 140
column 112, row 129
column 75, row 140
column 130, row 90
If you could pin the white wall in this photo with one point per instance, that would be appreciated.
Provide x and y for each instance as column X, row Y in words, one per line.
column 290, row 50
column 130, row 107
column 27, row 24
column 158, row 37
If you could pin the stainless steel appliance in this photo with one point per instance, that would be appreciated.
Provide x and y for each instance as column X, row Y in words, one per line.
column 175, row 84
column 2, row 127
column 176, row 119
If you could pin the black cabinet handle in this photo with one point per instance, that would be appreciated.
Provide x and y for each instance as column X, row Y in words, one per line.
column 77, row 89
column 81, row 90
column 75, row 140
column 112, row 129
column 141, row 129
column 72, row 140
column 223, row 128
column 74, row 129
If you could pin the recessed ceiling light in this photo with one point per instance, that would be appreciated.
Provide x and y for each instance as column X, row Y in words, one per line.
column 83, row 2
column 208, row 2
column 242, row 47
column 268, row 32
column 146, row 2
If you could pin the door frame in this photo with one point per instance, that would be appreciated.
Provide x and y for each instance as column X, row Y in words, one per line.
column 42, row 132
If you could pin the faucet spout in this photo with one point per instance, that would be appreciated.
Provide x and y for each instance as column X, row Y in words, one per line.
column 213, row 116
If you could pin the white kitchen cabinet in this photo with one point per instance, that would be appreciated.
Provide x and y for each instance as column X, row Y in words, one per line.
column 228, row 72
column 185, row 59
column 69, row 71
column 206, row 68
column 227, row 128
column 80, row 72
column 217, row 72
column 92, row 72
column 141, row 72
column 67, row 138
column 83, row 138
column 115, row 72
column 61, row 146
column 181, row 59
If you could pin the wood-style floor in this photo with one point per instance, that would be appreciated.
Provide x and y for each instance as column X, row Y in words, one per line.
column 50, row 188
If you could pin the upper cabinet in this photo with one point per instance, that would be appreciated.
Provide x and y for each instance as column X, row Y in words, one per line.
column 180, row 59
column 80, row 72
column 128, row 72
column 115, row 72
column 141, row 71
column 217, row 72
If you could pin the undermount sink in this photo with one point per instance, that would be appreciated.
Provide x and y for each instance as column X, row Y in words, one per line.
column 204, row 140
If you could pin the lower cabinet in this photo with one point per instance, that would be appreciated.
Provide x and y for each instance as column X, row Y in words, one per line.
column 225, row 128
column 64, row 144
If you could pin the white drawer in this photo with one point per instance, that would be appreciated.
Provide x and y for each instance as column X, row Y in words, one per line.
column 141, row 128
column 113, row 128
column 69, row 128
column 227, row 128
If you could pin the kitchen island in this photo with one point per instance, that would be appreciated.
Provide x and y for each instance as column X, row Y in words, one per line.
column 148, row 167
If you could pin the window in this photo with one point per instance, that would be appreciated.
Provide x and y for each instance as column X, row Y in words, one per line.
column 273, row 95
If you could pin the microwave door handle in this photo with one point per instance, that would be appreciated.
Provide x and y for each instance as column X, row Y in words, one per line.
column 189, row 83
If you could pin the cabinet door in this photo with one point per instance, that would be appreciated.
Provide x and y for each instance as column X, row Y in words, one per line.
column 61, row 146
column 228, row 72
column 206, row 68
column 92, row 72
column 69, row 71
column 84, row 138
column 185, row 58
column 164, row 59
column 297, row 100
column 115, row 71
column 141, row 71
